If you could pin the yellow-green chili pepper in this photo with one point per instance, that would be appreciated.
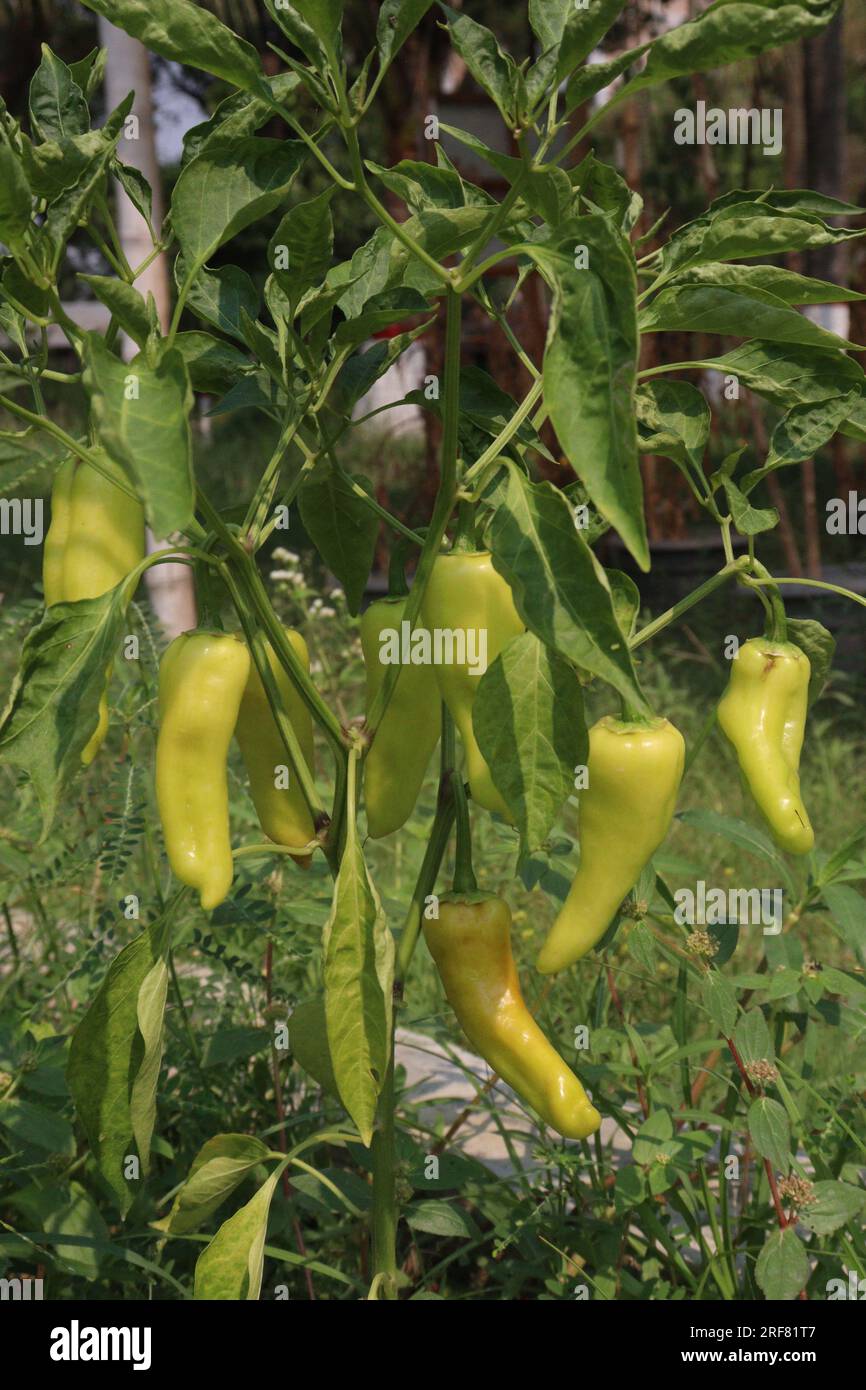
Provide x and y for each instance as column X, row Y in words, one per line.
column 283, row 813
column 408, row 732
column 634, row 771
column 471, row 945
column 763, row 713
column 202, row 678
column 466, row 594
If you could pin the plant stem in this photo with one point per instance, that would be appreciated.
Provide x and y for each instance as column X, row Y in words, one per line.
column 384, row 1215
column 658, row 624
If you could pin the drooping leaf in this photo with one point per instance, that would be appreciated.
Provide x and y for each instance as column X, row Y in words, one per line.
column 53, row 707
column 109, row 1054
column 342, row 528
column 560, row 590
column 529, row 721
column 820, row 647
column 231, row 1266
column 590, row 365
column 359, row 967
column 220, row 1165
column 141, row 414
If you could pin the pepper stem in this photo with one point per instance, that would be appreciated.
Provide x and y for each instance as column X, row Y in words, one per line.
column 776, row 629
column 397, row 586
column 464, row 874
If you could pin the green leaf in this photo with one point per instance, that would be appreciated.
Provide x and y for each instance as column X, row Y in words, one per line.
column 849, row 914
column 231, row 1266
column 89, row 71
column 366, row 366
column 15, row 201
column 422, row 185
column 782, row 1269
column 28, row 1124
column 218, row 1168
column 592, row 77
column 137, row 190
column 308, row 1039
column 188, row 34
column 124, row 302
column 717, row 309
column 150, row 1011
column 53, row 707
column 109, row 1054
column 799, row 435
column 218, row 296
column 227, row 187
column 726, row 33
column 789, row 374
column 589, row 370
column 342, row 528
column 292, row 19
column 771, row 1132
column 213, row 364
column 547, row 19
column 656, row 1130
column 720, row 1001
column 819, row 645
column 560, row 590
column 673, row 419
column 380, row 311
column 440, row 1219
column 786, row 285
column 228, row 1045
column 493, row 70
column 739, row 832
column 78, row 1216
column 584, row 27
column 58, row 109
column 397, row 19
column 529, row 721
column 836, row 1204
column 742, row 231
column 604, row 188
column 72, row 206
column 359, row 969
column 752, row 1038
column 141, row 414
column 749, row 520
column 300, row 251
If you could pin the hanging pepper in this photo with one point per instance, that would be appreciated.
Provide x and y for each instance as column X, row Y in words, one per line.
column 634, row 772
column 471, row 945
column 763, row 713
column 466, row 595
column 282, row 810
column 408, row 732
column 202, row 677
column 96, row 538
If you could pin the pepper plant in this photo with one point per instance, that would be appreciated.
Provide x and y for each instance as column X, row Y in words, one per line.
column 554, row 619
